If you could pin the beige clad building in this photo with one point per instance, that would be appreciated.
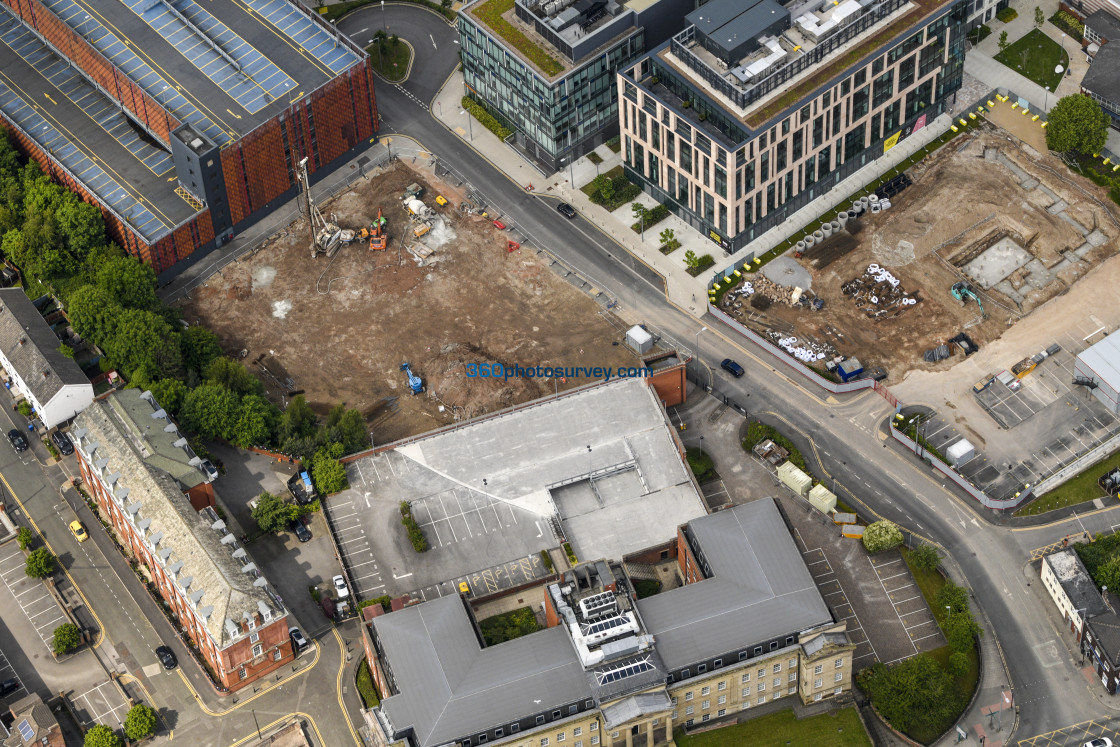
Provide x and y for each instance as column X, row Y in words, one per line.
column 748, row 627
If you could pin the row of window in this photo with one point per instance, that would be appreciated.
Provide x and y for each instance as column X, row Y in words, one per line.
column 562, row 736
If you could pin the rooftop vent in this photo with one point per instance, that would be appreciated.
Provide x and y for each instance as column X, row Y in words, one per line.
column 196, row 143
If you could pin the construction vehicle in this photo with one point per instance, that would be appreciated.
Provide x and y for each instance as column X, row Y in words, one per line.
column 378, row 237
column 441, row 200
column 414, row 382
column 421, row 228
column 963, row 291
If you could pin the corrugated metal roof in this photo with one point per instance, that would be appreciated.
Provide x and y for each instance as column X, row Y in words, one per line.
column 1103, row 359
column 759, row 589
column 449, row 686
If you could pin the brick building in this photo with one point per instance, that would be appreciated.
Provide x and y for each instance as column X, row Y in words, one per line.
column 179, row 162
column 230, row 614
column 748, row 627
column 746, row 115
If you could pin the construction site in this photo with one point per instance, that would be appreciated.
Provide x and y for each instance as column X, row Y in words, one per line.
column 964, row 244
column 391, row 316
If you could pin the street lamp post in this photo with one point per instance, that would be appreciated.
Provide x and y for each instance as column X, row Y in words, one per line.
column 440, row 105
column 1046, row 99
column 383, row 21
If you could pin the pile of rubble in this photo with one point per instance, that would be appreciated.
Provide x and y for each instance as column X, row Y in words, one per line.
column 760, row 285
column 805, row 350
column 879, row 294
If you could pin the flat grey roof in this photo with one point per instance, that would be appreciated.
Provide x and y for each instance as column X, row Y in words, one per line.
column 449, row 686
column 1076, row 582
column 729, row 23
column 524, row 454
column 759, row 588
column 1103, row 358
column 38, row 361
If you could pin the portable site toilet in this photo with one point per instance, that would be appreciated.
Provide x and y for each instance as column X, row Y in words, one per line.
column 794, row 479
column 855, row 531
column 822, row 499
column 639, row 339
column 960, row 452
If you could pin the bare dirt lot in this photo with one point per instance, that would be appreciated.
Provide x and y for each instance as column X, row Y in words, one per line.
column 339, row 328
column 1013, row 224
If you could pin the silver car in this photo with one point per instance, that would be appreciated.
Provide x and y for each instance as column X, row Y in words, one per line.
column 340, row 589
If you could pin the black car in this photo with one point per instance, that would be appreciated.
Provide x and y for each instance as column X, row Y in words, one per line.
column 9, row 686
column 167, row 657
column 566, row 210
column 732, row 367
column 62, row 443
column 19, row 441
column 303, row 534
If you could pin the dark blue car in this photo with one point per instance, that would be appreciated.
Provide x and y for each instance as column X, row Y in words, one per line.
column 732, row 367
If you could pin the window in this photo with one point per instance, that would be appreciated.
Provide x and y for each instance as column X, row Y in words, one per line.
column 793, row 676
column 817, row 696
column 540, row 719
column 777, row 667
column 839, row 677
column 793, row 663
column 722, row 686
column 466, row 742
column 241, row 673
column 721, row 700
column 837, row 691
column 777, row 682
column 499, row 732
column 614, row 735
column 761, row 699
column 561, row 736
column 705, row 690
column 906, row 73
column 757, row 650
column 722, row 711
column 514, row 728
column 556, row 713
column 818, row 669
column 688, row 710
column 761, row 672
column 254, row 637
column 572, row 710
column 483, row 738
column 690, row 722
column 705, row 705
column 761, row 687
column 595, row 739
column 742, row 654
column 277, row 655
column 544, row 741
column 745, row 692
column 688, row 695
column 746, row 677
column 577, row 731
column 818, row 682
column 674, row 700
column 257, row 650
column 594, row 727
column 579, row 743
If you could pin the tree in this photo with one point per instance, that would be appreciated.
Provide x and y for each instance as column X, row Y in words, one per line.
column 142, row 337
column 67, row 637
column 233, row 376
column 25, row 538
column 348, row 428
column 640, row 212
column 40, row 563
column 1039, row 17
column 952, row 596
column 958, row 664
column 1077, row 124
column 961, row 631
column 200, row 347
column 82, row 225
column 913, row 694
column 446, row 3
column 604, row 186
column 1108, row 573
column 925, row 557
column 691, row 261
column 394, row 41
column 1003, row 43
column 327, row 473
column 209, row 410
column 101, row 736
column 272, row 513
column 130, row 282
column 881, row 535
column 667, row 236
column 298, row 420
column 170, row 394
column 256, row 422
column 140, row 722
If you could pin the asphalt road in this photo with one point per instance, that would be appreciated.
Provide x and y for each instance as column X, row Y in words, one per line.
column 845, row 439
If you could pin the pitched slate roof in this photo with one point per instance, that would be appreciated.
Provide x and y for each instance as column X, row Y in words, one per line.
column 37, row 360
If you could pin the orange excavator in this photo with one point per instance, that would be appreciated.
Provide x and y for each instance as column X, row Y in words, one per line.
column 378, row 238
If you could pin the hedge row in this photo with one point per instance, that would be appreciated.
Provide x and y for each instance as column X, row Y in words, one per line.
column 415, row 533
column 485, row 118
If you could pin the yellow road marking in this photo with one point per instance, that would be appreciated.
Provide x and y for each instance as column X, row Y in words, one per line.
column 207, row 710
column 338, row 685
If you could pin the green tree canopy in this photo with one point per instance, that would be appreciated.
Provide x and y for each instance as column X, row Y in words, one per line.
column 67, row 637
column 1108, row 573
column 210, row 410
column 40, row 563
column 131, row 283
column 101, row 736
column 256, row 422
column 233, row 376
column 93, row 313
column 142, row 337
column 348, row 428
column 958, row 664
column 913, row 694
column 925, row 557
column 327, row 473
column 1077, row 124
column 82, row 225
column 200, row 349
column 881, row 535
column 961, row 630
column 953, row 596
column 170, row 393
column 298, row 420
column 272, row 514
column 140, row 722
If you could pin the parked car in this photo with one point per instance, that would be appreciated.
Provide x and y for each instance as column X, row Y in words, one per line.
column 340, row 589
column 566, row 210
column 167, row 657
column 303, row 534
column 209, row 470
column 78, row 531
column 62, row 443
column 499, row 225
column 299, row 643
column 18, row 440
column 9, row 686
column 732, row 368
column 1099, row 742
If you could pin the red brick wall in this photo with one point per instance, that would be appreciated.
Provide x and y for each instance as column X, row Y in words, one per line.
column 690, row 570
column 551, row 616
column 670, row 385
column 81, row 53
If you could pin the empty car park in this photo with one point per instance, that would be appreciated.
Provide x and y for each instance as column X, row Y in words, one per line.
column 30, row 594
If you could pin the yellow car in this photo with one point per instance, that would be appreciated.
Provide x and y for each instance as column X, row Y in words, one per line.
column 464, row 588
column 78, row 531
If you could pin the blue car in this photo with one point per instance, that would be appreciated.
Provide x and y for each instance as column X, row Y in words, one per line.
column 732, row 368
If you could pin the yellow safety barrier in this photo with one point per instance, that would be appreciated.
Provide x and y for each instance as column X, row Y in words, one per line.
column 1044, row 125
column 963, row 123
column 953, row 128
column 1034, row 118
column 971, row 115
column 990, row 105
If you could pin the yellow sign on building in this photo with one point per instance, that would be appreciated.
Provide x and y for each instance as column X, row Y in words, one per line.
column 891, row 141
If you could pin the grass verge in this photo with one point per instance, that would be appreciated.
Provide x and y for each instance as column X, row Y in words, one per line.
column 491, row 13
column 391, row 64
column 840, row 728
column 757, row 432
column 1034, row 57
column 1080, row 488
